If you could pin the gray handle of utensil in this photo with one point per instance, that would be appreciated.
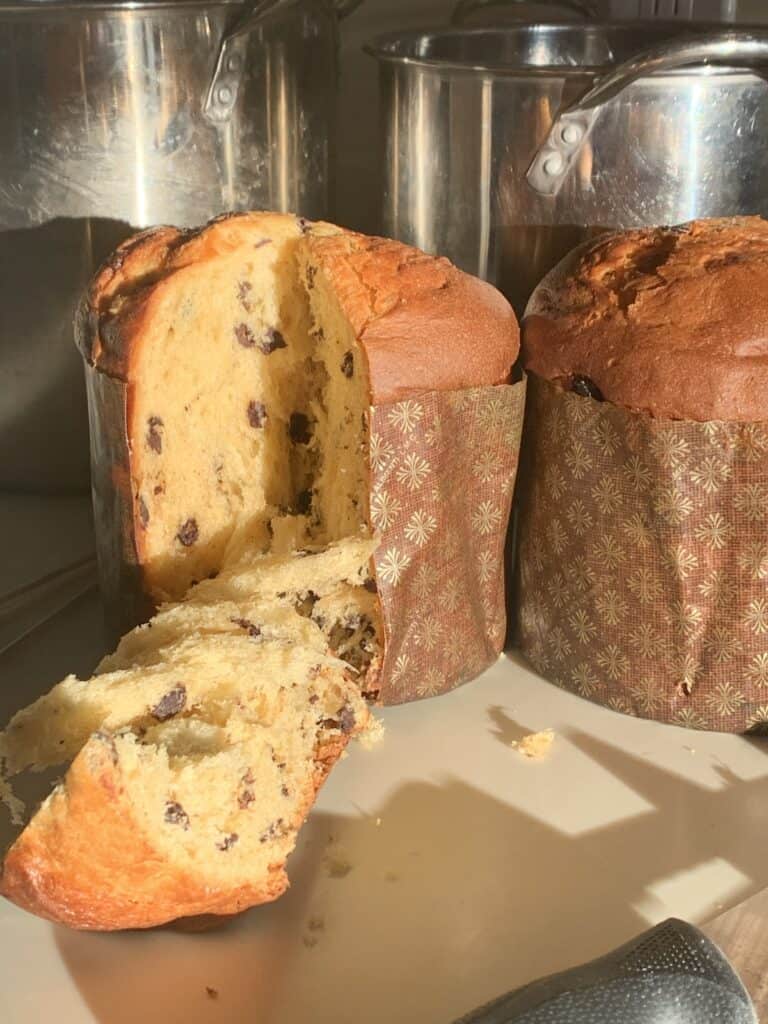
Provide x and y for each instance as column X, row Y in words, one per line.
column 671, row 974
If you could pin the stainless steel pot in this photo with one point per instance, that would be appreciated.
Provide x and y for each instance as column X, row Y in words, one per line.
column 116, row 116
column 506, row 147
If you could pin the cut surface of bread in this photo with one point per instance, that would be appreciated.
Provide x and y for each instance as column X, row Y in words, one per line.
column 231, row 375
column 188, row 782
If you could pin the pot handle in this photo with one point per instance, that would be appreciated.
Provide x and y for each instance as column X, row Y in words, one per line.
column 572, row 126
column 586, row 8
column 222, row 91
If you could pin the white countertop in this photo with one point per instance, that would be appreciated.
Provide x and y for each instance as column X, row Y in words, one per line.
column 471, row 869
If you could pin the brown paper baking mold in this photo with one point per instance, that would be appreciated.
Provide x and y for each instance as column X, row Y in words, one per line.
column 641, row 573
column 443, row 472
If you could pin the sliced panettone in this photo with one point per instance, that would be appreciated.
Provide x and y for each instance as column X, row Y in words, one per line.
column 188, row 781
column 231, row 375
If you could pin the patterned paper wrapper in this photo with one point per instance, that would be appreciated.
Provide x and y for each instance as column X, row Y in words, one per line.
column 443, row 468
column 642, row 560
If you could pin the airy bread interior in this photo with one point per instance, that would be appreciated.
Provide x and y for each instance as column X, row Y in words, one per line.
column 251, row 418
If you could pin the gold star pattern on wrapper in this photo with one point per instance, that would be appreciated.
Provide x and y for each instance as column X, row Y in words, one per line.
column 642, row 560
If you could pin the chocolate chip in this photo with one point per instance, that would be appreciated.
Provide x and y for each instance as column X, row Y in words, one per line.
column 272, row 340
column 245, row 336
column 303, row 224
column 348, row 364
column 314, row 698
column 212, row 574
column 227, row 842
column 245, row 799
column 143, row 512
column 371, row 586
column 171, row 704
column 188, row 533
column 244, row 288
column 347, row 719
column 330, row 723
column 262, row 242
column 285, row 791
column 275, row 831
column 212, row 993
column 158, row 489
column 586, row 388
column 250, row 627
column 311, row 271
column 154, row 435
column 370, row 694
column 299, row 428
column 305, row 602
column 176, row 815
column 257, row 414
column 303, row 502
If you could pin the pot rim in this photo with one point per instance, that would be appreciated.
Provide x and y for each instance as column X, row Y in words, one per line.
column 39, row 8
column 382, row 46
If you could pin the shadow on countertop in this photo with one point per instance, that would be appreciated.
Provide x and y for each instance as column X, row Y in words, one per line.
column 445, row 883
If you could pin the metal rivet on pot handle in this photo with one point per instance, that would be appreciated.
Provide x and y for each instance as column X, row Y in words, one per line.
column 570, row 129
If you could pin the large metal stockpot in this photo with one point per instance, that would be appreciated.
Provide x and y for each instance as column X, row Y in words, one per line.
column 116, row 116
column 505, row 147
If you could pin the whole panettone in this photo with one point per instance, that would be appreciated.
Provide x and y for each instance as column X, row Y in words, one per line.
column 669, row 321
column 643, row 510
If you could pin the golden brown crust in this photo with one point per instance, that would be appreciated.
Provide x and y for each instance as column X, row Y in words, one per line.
column 423, row 324
column 86, row 862
column 670, row 321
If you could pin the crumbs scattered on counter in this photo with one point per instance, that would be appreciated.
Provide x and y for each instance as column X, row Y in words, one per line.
column 212, row 993
column 337, row 864
column 314, row 925
column 373, row 734
column 391, row 876
column 536, row 745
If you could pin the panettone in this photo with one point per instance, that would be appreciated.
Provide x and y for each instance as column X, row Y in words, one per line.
column 669, row 321
column 232, row 370
column 195, row 752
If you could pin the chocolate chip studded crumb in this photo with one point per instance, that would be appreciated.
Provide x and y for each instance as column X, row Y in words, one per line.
column 348, row 364
column 154, row 434
column 257, row 414
column 347, row 719
column 250, row 627
column 244, row 289
column 143, row 512
column 171, row 704
column 300, row 428
column 188, row 533
column 585, row 387
column 370, row 586
column 176, row 815
column 244, row 336
column 271, row 341
column 227, row 842
column 275, row 831
column 212, row 993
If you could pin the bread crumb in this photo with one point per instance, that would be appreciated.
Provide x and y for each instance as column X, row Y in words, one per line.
column 337, row 866
column 212, row 993
column 536, row 745
column 391, row 876
column 372, row 734
column 316, row 924
column 310, row 941
column 378, row 822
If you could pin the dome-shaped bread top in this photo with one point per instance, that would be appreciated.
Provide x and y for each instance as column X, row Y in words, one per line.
column 672, row 321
